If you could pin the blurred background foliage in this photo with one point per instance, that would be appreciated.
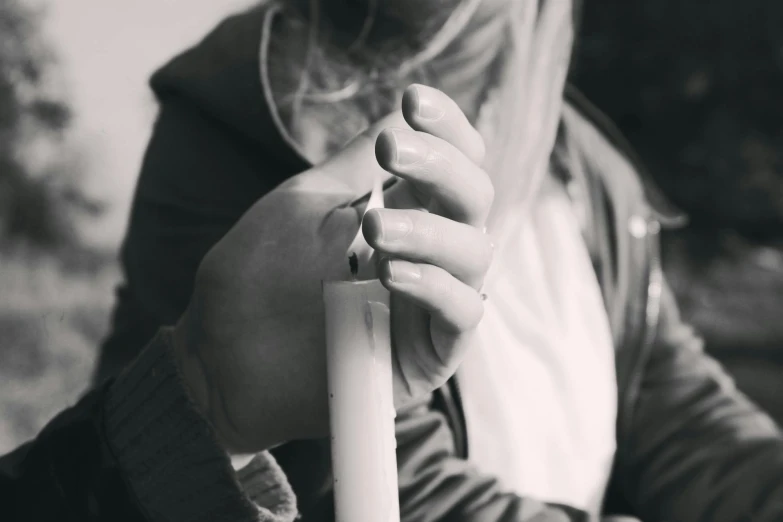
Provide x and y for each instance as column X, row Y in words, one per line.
column 55, row 292
column 39, row 189
column 695, row 89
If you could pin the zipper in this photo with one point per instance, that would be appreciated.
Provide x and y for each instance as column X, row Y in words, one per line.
column 654, row 287
column 648, row 325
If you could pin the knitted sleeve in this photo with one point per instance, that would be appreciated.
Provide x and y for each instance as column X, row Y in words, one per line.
column 170, row 457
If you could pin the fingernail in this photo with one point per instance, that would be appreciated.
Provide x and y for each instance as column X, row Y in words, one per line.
column 426, row 109
column 408, row 149
column 403, row 272
column 394, row 228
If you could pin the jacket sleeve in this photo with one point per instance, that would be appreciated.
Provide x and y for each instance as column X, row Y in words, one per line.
column 66, row 473
column 137, row 450
column 699, row 450
column 437, row 486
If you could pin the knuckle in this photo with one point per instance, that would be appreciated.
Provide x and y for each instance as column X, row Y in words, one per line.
column 440, row 153
column 449, row 155
column 441, row 283
column 440, row 164
column 433, row 235
column 423, row 232
column 482, row 195
column 472, row 318
column 476, row 315
column 474, row 147
column 486, row 191
column 467, row 310
column 481, row 148
column 485, row 254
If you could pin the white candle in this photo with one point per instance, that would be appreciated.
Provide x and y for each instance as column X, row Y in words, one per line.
column 361, row 405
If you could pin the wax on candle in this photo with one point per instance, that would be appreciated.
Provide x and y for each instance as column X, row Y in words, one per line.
column 361, row 406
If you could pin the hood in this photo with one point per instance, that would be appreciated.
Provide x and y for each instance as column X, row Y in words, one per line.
column 239, row 76
column 220, row 78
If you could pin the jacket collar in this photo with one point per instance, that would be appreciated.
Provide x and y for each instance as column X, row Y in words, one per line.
column 664, row 211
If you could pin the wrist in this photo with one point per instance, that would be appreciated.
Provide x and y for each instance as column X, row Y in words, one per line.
column 202, row 383
column 193, row 373
column 166, row 450
column 191, row 370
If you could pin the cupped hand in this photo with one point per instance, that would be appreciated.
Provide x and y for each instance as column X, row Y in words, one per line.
column 251, row 343
column 432, row 245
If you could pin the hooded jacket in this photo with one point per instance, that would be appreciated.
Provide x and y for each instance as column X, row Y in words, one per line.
column 691, row 447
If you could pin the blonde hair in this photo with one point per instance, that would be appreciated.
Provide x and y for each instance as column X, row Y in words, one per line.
column 347, row 68
column 352, row 77
column 396, row 53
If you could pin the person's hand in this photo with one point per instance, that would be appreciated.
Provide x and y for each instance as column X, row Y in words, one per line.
column 251, row 345
column 434, row 253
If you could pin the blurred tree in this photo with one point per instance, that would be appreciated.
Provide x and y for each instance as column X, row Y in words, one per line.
column 55, row 291
column 39, row 195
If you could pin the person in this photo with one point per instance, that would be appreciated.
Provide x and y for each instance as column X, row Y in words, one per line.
column 581, row 388
column 183, row 432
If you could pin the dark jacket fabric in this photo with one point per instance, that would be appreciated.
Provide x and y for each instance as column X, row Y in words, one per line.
column 66, row 473
column 137, row 450
column 690, row 446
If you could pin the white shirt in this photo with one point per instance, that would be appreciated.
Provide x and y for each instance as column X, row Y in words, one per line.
column 540, row 392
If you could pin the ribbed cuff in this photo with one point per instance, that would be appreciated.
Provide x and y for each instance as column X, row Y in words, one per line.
column 171, row 458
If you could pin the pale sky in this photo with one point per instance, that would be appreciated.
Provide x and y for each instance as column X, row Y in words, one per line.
column 108, row 50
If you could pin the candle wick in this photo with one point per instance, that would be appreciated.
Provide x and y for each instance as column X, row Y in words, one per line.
column 353, row 264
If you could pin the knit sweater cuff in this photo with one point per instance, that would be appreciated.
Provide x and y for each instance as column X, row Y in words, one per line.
column 171, row 458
